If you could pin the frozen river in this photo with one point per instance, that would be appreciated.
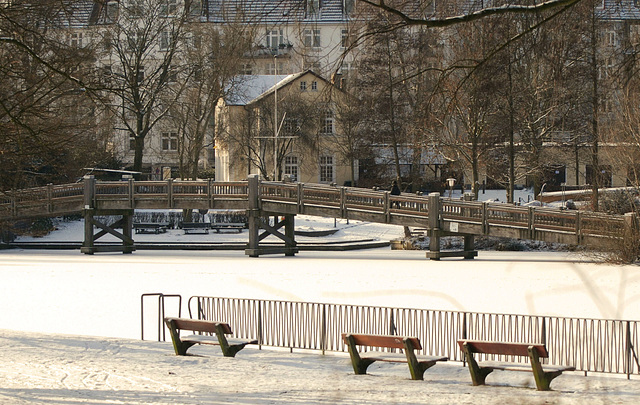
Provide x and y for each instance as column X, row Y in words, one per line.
column 68, row 292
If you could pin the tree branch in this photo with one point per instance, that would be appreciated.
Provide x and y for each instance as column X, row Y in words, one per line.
column 485, row 12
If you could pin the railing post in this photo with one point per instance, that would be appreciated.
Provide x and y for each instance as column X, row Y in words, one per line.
column 531, row 219
column 210, row 196
column 627, row 359
column 300, row 198
column 260, row 337
column 323, row 338
column 485, row 218
column 50, row 197
column 435, row 212
column 132, row 192
column 253, row 214
column 170, row 192
column 578, row 228
column 387, row 207
column 89, row 192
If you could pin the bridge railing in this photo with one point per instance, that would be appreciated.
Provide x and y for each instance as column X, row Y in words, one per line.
column 61, row 199
column 169, row 191
column 48, row 199
column 591, row 345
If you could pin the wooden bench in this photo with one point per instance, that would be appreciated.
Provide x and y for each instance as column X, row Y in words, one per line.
column 542, row 373
column 235, row 226
column 196, row 227
column 361, row 360
column 150, row 227
column 229, row 346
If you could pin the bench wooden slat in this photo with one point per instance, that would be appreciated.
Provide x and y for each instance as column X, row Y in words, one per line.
column 213, row 340
column 508, row 349
column 523, row 366
column 393, row 342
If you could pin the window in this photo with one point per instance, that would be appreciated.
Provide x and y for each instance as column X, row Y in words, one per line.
column 172, row 74
column 326, row 125
column 313, row 6
column 326, row 169
column 168, row 7
column 345, row 40
column 314, row 86
column 272, row 69
column 169, row 141
column 193, row 40
column 291, row 167
column 604, row 177
column 291, row 127
column 75, row 40
column 274, row 38
column 347, row 6
column 195, row 8
column 132, row 142
column 113, row 7
column 430, row 8
column 634, row 34
column 611, row 38
column 312, row 38
column 165, row 40
column 246, row 69
column 140, row 74
column 303, row 86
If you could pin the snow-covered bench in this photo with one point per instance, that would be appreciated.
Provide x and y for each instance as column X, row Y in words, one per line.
column 195, row 227
column 229, row 346
column 543, row 373
column 361, row 360
column 235, row 226
column 150, row 227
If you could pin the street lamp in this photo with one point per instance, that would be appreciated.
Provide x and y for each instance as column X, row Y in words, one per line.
column 275, row 118
column 451, row 182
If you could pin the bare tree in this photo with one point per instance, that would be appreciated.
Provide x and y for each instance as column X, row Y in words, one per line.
column 141, row 43
column 210, row 71
column 47, row 118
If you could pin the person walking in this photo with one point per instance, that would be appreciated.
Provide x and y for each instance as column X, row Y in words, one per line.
column 395, row 190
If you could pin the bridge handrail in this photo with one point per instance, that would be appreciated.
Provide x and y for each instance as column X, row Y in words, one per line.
column 66, row 198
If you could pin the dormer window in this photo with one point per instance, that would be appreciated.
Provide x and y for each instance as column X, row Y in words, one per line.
column 348, row 6
column 111, row 14
column 313, row 7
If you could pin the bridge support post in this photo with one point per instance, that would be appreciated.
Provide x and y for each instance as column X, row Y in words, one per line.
column 90, row 222
column 436, row 231
column 435, row 208
column 259, row 220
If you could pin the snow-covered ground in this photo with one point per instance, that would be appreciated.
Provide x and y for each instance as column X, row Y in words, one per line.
column 45, row 294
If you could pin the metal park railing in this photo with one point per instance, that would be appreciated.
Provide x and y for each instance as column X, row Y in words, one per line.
column 590, row 345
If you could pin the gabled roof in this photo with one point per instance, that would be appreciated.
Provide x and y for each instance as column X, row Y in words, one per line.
column 248, row 88
column 251, row 89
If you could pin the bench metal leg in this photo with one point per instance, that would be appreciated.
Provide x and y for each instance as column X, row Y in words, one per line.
column 543, row 379
column 478, row 374
column 179, row 346
column 359, row 364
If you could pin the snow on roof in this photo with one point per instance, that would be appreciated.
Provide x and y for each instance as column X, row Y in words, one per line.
column 250, row 88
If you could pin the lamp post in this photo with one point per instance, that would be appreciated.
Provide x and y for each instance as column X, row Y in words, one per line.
column 275, row 117
column 451, row 181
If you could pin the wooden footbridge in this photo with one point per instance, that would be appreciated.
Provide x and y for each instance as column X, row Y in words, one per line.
column 272, row 206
